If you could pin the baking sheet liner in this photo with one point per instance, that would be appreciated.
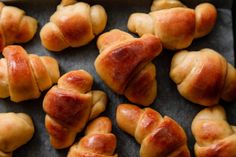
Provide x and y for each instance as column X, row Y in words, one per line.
column 168, row 102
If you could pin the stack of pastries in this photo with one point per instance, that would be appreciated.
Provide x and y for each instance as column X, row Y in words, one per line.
column 125, row 65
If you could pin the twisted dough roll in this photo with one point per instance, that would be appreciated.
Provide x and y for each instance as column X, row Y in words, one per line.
column 215, row 137
column 125, row 65
column 203, row 77
column 158, row 136
column 15, row 26
column 97, row 142
column 69, row 106
column 74, row 24
column 173, row 23
column 15, row 131
column 23, row 76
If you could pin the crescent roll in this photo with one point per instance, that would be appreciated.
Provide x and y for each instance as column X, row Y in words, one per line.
column 203, row 77
column 24, row 76
column 124, row 64
column 15, row 26
column 175, row 24
column 70, row 105
column 74, row 24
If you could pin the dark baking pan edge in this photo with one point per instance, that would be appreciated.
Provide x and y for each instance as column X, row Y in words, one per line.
column 234, row 27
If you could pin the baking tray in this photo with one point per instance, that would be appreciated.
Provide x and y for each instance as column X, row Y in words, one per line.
column 168, row 102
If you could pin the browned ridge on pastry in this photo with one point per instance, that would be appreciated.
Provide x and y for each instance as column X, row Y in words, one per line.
column 158, row 136
column 203, row 77
column 69, row 106
column 175, row 24
column 15, row 26
column 124, row 64
column 215, row 137
column 74, row 24
column 16, row 129
column 97, row 142
column 23, row 76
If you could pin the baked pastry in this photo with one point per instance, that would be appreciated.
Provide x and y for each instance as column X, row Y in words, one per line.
column 97, row 142
column 124, row 64
column 214, row 135
column 165, row 4
column 203, row 77
column 23, row 76
column 15, row 26
column 16, row 129
column 70, row 105
column 175, row 24
column 158, row 136
column 74, row 24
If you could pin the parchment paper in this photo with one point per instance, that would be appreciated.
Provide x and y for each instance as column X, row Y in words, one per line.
column 168, row 102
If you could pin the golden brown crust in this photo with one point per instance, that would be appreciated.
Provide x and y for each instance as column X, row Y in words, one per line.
column 99, row 99
column 69, row 105
column 229, row 93
column 143, row 88
column 22, row 84
column 23, row 76
column 214, row 135
column 27, row 29
column 59, row 135
column 98, row 23
column 10, row 22
column 4, row 87
column 121, row 62
column 206, row 15
column 203, row 77
column 40, row 72
column 158, row 136
column 165, row 141
column 97, row 142
column 175, row 27
column 4, row 154
column 16, row 27
column 165, row 4
column 52, row 38
column 77, row 80
column 2, row 39
column 108, row 39
column 14, row 126
column 60, row 103
column 147, row 122
column 52, row 67
column 128, row 114
column 67, row 2
column 99, row 125
column 74, row 24
column 173, row 23
column 75, row 27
